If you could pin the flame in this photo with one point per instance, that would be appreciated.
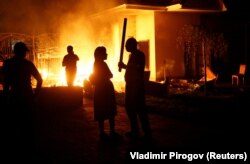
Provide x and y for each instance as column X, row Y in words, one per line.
column 82, row 37
column 44, row 73
column 57, row 77
column 52, row 79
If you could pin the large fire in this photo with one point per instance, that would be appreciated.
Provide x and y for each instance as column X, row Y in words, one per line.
column 52, row 80
column 84, row 36
column 54, row 74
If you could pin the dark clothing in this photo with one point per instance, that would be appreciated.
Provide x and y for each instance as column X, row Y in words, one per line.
column 134, row 77
column 18, row 74
column 69, row 61
column 135, row 68
column 135, row 93
column 18, row 78
column 104, row 93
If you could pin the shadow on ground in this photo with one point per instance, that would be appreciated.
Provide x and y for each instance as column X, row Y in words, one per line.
column 65, row 131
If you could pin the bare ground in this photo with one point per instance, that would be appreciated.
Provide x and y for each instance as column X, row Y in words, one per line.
column 67, row 133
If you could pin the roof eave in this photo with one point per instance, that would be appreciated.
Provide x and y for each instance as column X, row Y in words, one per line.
column 136, row 9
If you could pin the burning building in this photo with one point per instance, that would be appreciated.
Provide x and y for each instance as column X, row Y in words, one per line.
column 156, row 26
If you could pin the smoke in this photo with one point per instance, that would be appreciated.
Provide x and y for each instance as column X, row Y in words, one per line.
column 40, row 16
column 29, row 16
column 76, row 28
column 17, row 16
column 69, row 19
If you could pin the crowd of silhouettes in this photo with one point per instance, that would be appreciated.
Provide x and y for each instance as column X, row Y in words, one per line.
column 20, row 95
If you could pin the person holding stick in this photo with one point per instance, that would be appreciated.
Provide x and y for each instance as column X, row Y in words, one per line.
column 135, row 91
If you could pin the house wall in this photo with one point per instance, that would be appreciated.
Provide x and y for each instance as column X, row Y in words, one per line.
column 145, row 31
column 160, row 30
column 169, row 57
column 141, row 27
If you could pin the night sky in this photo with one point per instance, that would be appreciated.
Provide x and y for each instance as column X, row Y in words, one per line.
column 38, row 16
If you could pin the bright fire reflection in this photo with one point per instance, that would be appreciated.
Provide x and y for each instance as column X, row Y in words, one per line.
column 54, row 79
column 56, row 76
column 85, row 38
column 83, row 72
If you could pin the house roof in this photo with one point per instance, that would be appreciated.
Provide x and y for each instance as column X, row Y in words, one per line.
column 129, row 9
column 203, row 4
column 152, row 2
column 184, row 5
column 135, row 7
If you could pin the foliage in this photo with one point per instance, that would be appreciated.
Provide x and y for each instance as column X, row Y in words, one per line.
column 188, row 39
column 220, row 45
column 194, row 38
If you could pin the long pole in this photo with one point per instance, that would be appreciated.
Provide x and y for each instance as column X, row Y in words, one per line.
column 123, row 40
column 205, row 67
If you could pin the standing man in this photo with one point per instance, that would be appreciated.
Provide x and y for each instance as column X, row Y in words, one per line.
column 135, row 90
column 70, row 61
column 17, row 74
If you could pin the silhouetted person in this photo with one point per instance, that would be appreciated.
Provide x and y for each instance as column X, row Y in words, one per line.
column 104, row 93
column 70, row 63
column 135, row 90
column 18, row 73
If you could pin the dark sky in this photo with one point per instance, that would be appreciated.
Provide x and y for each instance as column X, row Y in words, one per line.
column 37, row 16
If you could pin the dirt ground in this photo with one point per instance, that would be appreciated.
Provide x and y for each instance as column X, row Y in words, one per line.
column 68, row 134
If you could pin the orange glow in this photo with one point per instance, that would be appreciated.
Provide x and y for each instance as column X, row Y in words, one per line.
column 174, row 7
column 147, row 33
column 85, row 37
column 82, row 37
